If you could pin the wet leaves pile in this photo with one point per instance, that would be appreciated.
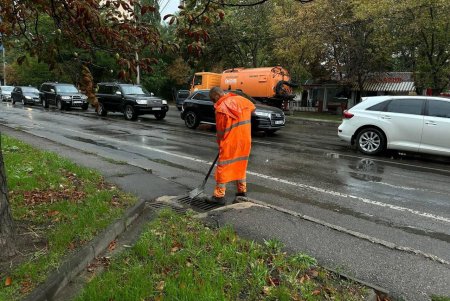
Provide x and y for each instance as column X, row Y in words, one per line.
column 179, row 258
column 57, row 206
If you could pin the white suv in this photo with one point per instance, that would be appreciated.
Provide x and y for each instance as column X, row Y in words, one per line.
column 408, row 123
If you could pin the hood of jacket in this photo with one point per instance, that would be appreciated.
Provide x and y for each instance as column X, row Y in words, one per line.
column 233, row 105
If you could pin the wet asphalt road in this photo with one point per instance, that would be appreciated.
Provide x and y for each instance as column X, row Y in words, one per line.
column 398, row 199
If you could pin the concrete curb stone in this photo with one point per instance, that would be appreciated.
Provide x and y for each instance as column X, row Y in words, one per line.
column 79, row 260
column 302, row 120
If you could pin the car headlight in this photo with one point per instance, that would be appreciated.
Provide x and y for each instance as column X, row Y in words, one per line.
column 164, row 102
column 65, row 97
column 262, row 114
column 28, row 97
column 141, row 101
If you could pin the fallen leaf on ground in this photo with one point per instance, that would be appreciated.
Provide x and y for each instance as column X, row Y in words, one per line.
column 316, row 292
column 160, row 286
column 26, row 287
column 52, row 213
column 8, row 281
column 267, row 289
column 313, row 273
column 112, row 245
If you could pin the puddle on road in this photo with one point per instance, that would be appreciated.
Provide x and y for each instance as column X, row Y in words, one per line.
column 90, row 141
column 347, row 211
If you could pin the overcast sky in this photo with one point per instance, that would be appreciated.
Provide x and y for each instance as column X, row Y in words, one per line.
column 168, row 6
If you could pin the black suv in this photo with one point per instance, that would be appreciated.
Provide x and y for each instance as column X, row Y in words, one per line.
column 131, row 100
column 63, row 96
column 199, row 108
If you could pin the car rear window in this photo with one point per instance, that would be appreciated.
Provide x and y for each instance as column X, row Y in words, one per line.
column 406, row 106
column 379, row 106
column 183, row 94
column 438, row 108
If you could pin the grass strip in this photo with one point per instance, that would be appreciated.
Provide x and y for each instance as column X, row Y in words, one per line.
column 178, row 258
column 57, row 206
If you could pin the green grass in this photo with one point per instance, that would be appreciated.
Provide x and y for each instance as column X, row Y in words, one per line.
column 438, row 298
column 316, row 115
column 64, row 204
column 178, row 258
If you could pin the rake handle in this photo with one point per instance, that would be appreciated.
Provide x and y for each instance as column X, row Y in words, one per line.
column 210, row 169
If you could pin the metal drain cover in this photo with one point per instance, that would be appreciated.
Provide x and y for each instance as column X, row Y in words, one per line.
column 197, row 204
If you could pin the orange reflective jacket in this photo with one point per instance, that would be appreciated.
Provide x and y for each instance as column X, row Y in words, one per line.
column 233, row 124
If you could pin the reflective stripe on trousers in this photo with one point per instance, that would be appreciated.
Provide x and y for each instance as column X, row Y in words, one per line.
column 220, row 189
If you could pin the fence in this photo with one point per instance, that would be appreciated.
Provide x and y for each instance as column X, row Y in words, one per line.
column 295, row 105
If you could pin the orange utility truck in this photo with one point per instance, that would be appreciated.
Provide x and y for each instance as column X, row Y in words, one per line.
column 271, row 85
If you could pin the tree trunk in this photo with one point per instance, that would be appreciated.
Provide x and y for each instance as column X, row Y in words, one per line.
column 7, row 247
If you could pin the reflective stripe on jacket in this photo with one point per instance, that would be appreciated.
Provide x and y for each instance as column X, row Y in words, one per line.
column 233, row 124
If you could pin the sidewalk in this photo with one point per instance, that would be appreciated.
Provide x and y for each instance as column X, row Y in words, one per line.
column 259, row 221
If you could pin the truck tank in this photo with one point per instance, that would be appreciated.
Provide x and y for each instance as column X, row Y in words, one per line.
column 271, row 85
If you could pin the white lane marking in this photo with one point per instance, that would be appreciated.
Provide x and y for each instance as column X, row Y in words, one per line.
column 279, row 180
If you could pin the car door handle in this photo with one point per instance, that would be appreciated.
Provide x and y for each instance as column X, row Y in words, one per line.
column 430, row 123
column 386, row 117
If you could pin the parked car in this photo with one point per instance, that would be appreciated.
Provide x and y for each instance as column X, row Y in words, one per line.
column 407, row 123
column 63, row 96
column 181, row 96
column 131, row 100
column 25, row 95
column 198, row 108
column 5, row 93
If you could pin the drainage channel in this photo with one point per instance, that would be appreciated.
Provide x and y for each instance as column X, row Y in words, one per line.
column 197, row 204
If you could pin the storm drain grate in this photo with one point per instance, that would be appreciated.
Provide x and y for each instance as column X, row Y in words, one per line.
column 197, row 204
column 161, row 206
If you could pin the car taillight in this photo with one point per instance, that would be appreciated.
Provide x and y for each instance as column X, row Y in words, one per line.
column 347, row 115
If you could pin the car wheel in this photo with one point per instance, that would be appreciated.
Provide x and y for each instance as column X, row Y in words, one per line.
column 101, row 110
column 370, row 141
column 45, row 103
column 130, row 113
column 179, row 108
column 191, row 120
column 160, row 115
column 59, row 105
column 85, row 107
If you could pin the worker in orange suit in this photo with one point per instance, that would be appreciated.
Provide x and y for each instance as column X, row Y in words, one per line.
column 233, row 125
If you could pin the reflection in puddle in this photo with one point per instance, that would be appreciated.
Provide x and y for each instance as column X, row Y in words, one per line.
column 332, row 155
column 365, row 170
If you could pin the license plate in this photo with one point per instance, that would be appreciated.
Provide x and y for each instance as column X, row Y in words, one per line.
column 156, row 109
column 77, row 102
column 278, row 121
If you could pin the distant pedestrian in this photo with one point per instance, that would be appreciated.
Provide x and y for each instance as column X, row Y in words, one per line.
column 233, row 125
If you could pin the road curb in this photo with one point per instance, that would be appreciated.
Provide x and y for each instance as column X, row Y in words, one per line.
column 78, row 261
column 300, row 120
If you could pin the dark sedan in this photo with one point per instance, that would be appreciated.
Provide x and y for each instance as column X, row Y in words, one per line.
column 198, row 108
column 25, row 95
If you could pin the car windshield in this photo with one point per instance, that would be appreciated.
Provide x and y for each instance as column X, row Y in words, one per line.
column 30, row 90
column 7, row 88
column 183, row 94
column 66, row 89
column 134, row 90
